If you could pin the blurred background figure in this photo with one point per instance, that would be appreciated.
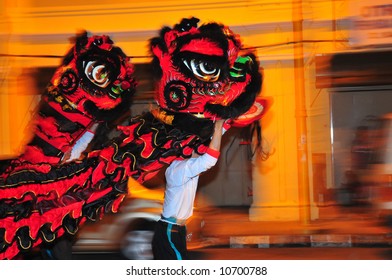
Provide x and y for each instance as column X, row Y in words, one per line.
column 357, row 186
column 381, row 170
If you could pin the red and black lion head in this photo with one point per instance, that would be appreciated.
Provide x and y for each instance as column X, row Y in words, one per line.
column 201, row 71
column 95, row 78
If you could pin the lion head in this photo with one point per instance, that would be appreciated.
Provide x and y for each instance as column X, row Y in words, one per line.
column 95, row 78
column 203, row 72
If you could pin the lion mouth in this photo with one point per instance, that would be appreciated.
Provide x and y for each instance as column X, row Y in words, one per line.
column 212, row 89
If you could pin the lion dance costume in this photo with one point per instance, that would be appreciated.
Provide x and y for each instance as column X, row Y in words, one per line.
column 202, row 75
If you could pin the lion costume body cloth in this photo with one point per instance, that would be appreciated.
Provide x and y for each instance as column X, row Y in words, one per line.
column 201, row 75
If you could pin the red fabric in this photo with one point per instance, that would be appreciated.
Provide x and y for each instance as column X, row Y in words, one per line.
column 34, row 155
column 203, row 46
column 148, row 143
column 213, row 153
column 59, row 185
column 98, row 194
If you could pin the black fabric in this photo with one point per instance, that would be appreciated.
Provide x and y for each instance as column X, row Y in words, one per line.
column 162, row 248
column 47, row 149
column 203, row 128
column 64, row 124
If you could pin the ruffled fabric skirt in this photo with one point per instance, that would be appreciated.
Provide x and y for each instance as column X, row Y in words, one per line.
column 39, row 203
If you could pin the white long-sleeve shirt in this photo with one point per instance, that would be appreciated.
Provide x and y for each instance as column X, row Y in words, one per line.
column 81, row 145
column 182, row 177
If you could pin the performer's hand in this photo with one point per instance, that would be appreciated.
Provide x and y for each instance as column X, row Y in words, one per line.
column 66, row 156
column 217, row 135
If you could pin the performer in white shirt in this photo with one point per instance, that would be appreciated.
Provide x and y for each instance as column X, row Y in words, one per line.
column 169, row 242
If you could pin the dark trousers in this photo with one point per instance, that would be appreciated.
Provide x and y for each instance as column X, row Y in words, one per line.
column 60, row 249
column 169, row 242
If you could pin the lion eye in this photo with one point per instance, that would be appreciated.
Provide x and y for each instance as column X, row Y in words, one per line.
column 97, row 73
column 202, row 70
